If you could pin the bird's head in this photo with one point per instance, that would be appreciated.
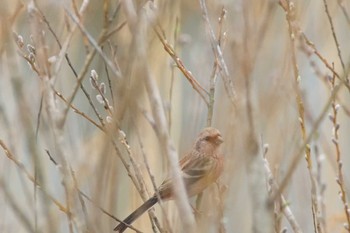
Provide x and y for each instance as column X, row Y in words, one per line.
column 208, row 141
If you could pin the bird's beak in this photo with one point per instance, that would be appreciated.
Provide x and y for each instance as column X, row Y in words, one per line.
column 219, row 139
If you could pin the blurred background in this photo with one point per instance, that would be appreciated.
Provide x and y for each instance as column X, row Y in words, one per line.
column 91, row 93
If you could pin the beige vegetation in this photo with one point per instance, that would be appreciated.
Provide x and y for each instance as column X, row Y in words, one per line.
column 99, row 98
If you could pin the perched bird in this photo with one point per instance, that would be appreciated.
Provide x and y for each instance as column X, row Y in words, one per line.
column 201, row 167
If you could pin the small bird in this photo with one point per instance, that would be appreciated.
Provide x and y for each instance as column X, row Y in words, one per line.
column 201, row 167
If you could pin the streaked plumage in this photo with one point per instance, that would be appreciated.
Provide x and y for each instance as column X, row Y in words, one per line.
column 200, row 168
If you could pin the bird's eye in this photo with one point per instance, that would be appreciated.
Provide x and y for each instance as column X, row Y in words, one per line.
column 207, row 138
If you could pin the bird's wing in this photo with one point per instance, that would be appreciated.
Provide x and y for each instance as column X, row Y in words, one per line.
column 196, row 167
column 193, row 168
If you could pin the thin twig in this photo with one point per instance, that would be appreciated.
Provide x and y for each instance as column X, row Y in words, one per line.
column 300, row 152
column 321, row 196
column 175, row 38
column 229, row 87
column 295, row 160
column 88, row 60
column 89, row 198
column 23, row 169
column 70, row 65
column 188, row 75
column 273, row 186
column 335, row 140
column 347, row 17
column 334, row 36
column 17, row 209
column 290, row 16
column 302, row 36
column 77, row 111
column 155, row 187
column 161, row 130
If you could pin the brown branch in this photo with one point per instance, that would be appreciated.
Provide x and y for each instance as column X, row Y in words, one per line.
column 43, row 17
column 273, row 186
column 22, row 168
column 216, row 47
column 77, row 111
column 347, row 17
column 188, row 75
column 334, row 37
column 335, row 140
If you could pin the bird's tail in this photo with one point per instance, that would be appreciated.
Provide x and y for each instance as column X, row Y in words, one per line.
column 137, row 213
